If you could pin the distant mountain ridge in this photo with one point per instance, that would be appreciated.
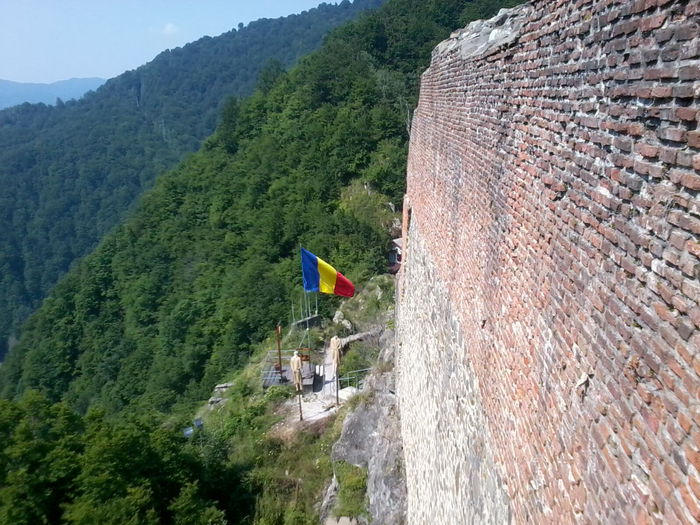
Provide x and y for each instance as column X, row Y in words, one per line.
column 70, row 173
column 14, row 93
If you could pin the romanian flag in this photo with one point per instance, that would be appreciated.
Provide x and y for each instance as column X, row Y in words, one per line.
column 319, row 276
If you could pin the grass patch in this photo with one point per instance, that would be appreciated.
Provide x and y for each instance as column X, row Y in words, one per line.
column 355, row 401
column 292, row 476
column 359, row 356
column 352, row 492
column 372, row 303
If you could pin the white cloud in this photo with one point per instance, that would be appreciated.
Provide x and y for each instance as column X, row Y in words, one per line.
column 170, row 29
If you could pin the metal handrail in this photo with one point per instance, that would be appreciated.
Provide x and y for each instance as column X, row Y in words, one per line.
column 355, row 376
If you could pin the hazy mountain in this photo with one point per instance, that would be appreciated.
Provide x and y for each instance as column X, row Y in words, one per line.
column 13, row 93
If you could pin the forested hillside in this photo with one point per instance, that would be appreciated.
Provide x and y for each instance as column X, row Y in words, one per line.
column 69, row 173
column 175, row 298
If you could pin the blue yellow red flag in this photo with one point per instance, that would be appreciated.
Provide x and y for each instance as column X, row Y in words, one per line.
column 319, row 276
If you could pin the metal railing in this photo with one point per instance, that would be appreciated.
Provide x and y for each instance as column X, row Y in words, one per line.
column 353, row 378
column 271, row 375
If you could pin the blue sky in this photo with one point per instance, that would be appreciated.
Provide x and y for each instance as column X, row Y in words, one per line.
column 49, row 40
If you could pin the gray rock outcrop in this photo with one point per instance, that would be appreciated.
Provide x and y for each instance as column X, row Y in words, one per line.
column 371, row 438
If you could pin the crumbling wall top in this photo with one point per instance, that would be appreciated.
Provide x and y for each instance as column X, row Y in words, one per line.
column 483, row 37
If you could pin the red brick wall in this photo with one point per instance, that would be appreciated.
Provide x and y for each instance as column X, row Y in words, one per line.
column 555, row 185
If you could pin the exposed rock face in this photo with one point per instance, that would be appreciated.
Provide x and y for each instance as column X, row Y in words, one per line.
column 339, row 318
column 371, row 438
column 329, row 500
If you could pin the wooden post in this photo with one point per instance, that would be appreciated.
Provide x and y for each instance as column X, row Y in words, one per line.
column 301, row 417
column 278, row 332
column 337, row 380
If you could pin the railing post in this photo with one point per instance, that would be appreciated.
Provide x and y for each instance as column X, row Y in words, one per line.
column 278, row 331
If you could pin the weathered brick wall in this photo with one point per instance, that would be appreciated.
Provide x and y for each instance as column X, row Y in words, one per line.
column 549, row 318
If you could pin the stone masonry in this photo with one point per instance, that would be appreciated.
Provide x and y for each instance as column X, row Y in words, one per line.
column 548, row 312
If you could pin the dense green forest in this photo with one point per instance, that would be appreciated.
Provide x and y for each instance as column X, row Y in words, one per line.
column 173, row 300
column 69, row 173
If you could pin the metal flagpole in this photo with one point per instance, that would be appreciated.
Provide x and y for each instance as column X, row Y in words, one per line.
column 301, row 310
